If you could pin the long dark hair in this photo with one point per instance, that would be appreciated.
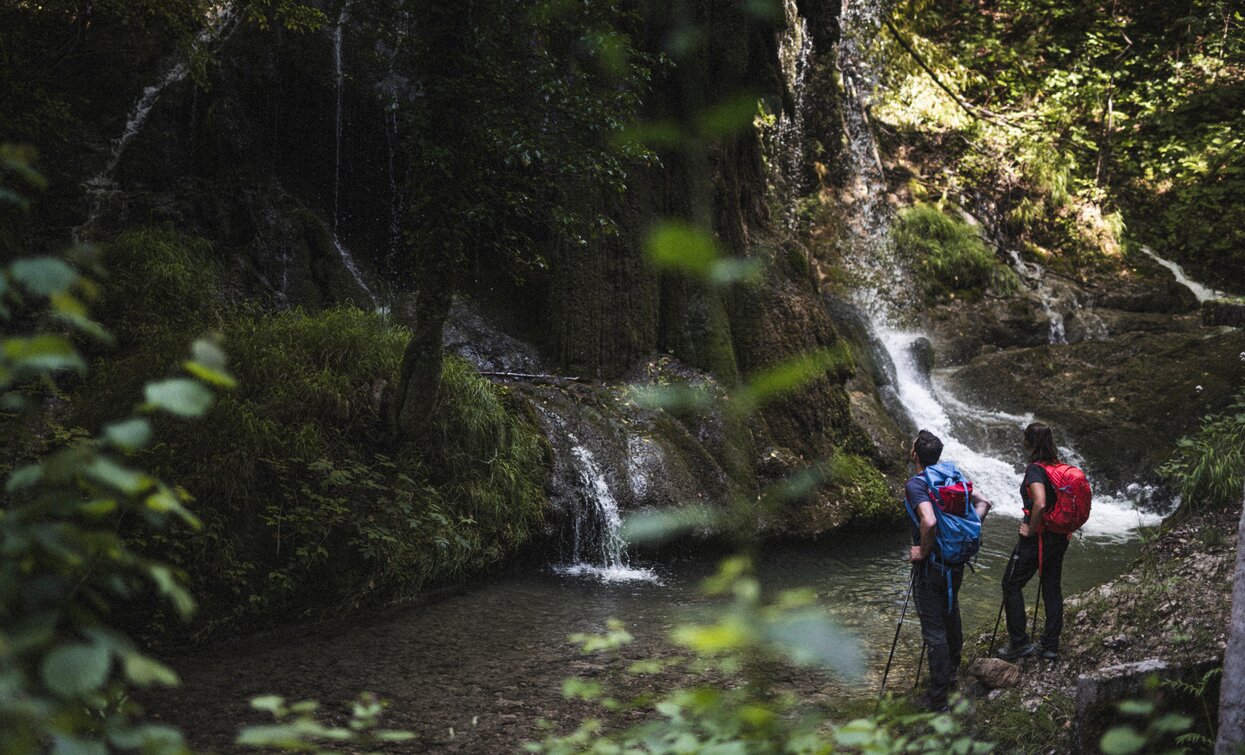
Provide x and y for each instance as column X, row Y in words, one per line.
column 1040, row 443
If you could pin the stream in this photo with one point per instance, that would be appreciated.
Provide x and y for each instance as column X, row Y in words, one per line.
column 488, row 663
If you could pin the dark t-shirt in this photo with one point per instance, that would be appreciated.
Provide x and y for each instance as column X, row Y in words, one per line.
column 917, row 490
column 1035, row 473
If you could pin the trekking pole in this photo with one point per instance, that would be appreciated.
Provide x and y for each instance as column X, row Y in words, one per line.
column 920, row 661
column 894, row 642
column 994, row 635
column 1037, row 601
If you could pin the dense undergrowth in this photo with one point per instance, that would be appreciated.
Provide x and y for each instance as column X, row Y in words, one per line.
column 307, row 507
column 1078, row 122
column 949, row 255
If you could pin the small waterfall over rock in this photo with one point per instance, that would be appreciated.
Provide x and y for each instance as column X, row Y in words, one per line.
column 218, row 23
column 596, row 547
column 338, row 78
column 982, row 442
column 1200, row 292
column 1059, row 303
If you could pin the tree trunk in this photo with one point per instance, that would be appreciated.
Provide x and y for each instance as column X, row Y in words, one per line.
column 414, row 400
column 1232, row 689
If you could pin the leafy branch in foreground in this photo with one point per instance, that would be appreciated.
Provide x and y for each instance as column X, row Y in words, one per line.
column 65, row 560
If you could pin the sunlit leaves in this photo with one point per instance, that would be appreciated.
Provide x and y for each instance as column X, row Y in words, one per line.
column 679, row 247
column 130, row 435
column 660, row 526
column 296, row 728
column 179, row 396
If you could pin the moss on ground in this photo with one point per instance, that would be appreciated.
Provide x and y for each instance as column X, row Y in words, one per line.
column 949, row 255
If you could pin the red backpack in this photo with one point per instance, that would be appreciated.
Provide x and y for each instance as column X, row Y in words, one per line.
column 1070, row 509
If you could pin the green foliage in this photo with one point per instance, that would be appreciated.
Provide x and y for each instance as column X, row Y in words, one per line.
column 157, row 277
column 65, row 674
column 297, row 730
column 1153, row 724
column 1130, row 113
column 1208, row 468
column 950, row 255
column 342, row 519
column 859, row 484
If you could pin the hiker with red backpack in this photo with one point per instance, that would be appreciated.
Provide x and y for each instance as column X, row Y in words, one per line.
column 1056, row 500
column 946, row 518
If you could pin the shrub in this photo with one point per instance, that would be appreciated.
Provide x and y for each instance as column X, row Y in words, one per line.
column 1208, row 467
column 948, row 254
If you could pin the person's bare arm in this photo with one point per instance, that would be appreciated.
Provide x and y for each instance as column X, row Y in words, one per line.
column 982, row 505
column 1037, row 497
column 924, row 512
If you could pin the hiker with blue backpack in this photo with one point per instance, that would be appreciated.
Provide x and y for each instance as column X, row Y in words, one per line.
column 1056, row 501
column 946, row 516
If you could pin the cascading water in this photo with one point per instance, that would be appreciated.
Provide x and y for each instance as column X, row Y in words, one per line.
column 596, row 548
column 1200, row 292
column 982, row 442
column 339, row 76
column 795, row 54
column 218, row 22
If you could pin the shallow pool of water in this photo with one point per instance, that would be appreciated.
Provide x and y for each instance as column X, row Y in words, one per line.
column 474, row 672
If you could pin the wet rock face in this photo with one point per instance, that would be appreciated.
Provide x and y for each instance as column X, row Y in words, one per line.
column 962, row 329
column 1224, row 312
column 1125, row 401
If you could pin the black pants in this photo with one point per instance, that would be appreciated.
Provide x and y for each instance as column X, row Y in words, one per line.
column 940, row 627
column 1023, row 563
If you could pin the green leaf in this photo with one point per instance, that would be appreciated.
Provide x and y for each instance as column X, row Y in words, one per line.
column 43, row 276
column 811, row 638
column 149, row 738
column 656, row 527
column 129, row 435
column 274, row 704
column 108, row 472
column 1136, row 707
column 172, row 589
column 789, row 376
column 211, row 376
column 24, row 477
column 729, row 117
column 681, row 247
column 1172, row 723
column 62, row 745
column 145, row 671
column 583, row 689
column 1122, row 740
column 179, row 396
column 74, row 670
column 45, row 353
column 670, row 397
column 393, row 735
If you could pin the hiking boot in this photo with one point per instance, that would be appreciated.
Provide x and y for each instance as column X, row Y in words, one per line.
column 1016, row 652
column 1048, row 654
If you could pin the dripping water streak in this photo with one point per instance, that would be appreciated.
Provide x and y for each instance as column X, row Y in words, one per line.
column 338, row 79
column 217, row 23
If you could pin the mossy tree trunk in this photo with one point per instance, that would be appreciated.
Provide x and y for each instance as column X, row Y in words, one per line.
column 442, row 194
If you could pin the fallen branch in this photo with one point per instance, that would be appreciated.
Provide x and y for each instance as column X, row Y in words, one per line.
column 533, row 378
column 974, row 110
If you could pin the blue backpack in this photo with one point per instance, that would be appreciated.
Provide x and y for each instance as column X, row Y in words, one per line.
column 957, row 537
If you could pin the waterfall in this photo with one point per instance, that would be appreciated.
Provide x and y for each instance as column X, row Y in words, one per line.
column 971, row 435
column 597, row 547
column 218, row 21
column 795, row 53
column 338, row 78
column 1200, row 292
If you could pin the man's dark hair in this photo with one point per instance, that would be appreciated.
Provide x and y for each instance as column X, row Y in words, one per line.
column 928, row 448
column 1040, row 442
